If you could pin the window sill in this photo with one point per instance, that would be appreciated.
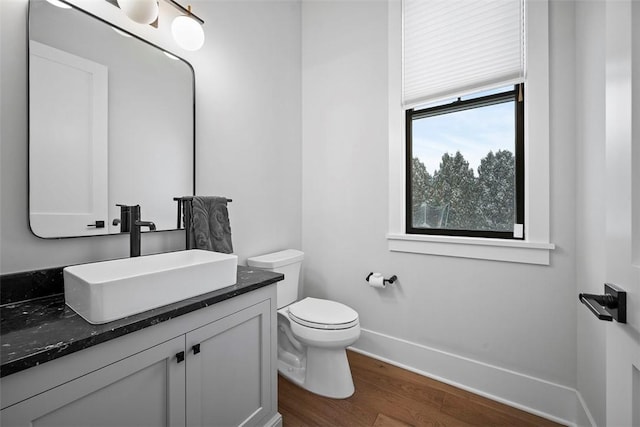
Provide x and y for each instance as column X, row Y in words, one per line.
column 470, row 247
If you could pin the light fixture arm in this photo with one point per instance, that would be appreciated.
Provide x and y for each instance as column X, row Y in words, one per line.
column 174, row 4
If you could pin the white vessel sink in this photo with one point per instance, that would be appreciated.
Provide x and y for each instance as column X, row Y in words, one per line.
column 105, row 291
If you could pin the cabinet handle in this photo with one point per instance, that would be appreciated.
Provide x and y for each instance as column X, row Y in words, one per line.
column 180, row 356
column 196, row 349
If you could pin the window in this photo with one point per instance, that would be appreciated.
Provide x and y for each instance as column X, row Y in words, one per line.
column 536, row 247
column 465, row 166
column 469, row 186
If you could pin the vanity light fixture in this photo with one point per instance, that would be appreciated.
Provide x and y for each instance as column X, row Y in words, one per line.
column 186, row 29
column 140, row 11
column 187, row 32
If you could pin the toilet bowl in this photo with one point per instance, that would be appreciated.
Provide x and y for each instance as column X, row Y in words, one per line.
column 313, row 333
column 312, row 353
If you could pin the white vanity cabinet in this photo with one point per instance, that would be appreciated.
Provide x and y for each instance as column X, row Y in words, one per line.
column 220, row 370
column 229, row 370
column 145, row 389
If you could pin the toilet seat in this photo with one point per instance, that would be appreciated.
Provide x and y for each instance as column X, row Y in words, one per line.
column 322, row 314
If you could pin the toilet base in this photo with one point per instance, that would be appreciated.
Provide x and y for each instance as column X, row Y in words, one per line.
column 295, row 375
column 326, row 373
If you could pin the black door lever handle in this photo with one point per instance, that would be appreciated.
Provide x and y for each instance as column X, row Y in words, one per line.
column 589, row 300
column 611, row 305
column 97, row 224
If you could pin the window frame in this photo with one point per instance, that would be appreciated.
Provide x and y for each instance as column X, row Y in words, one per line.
column 516, row 95
column 537, row 247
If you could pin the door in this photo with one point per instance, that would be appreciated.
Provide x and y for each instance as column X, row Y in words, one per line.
column 623, row 207
column 146, row 389
column 229, row 370
column 68, row 152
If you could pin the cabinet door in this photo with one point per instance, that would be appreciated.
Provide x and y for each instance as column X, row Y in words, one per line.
column 146, row 389
column 228, row 376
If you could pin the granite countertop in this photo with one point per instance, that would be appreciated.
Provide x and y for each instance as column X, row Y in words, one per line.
column 36, row 331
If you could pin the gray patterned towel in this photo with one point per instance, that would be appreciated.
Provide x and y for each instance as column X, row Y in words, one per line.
column 210, row 227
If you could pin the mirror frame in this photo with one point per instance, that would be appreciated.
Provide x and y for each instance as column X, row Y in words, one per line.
column 193, row 88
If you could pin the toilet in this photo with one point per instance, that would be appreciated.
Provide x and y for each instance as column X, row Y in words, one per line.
column 313, row 333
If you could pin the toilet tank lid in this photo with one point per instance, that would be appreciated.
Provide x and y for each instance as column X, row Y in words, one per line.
column 276, row 259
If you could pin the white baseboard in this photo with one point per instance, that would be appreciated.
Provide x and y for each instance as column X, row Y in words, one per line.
column 555, row 402
column 584, row 417
column 275, row 421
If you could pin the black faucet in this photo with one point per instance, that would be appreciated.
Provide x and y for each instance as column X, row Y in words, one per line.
column 130, row 221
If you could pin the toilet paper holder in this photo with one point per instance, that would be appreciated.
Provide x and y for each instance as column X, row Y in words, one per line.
column 390, row 280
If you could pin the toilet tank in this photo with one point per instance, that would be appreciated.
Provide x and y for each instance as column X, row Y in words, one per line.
column 287, row 262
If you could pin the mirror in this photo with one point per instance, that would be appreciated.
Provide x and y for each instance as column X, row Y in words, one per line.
column 111, row 121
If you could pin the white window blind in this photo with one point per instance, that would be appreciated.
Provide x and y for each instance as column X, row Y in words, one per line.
column 454, row 47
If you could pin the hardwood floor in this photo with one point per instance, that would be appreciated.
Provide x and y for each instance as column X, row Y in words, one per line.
column 388, row 396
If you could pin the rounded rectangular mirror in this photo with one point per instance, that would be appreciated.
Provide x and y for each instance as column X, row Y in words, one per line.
column 111, row 121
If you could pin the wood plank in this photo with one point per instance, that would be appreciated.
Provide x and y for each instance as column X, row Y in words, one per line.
column 359, row 361
column 318, row 410
column 389, row 396
column 385, row 421
column 290, row 419
column 401, row 381
column 361, row 409
column 401, row 407
column 475, row 413
column 479, row 404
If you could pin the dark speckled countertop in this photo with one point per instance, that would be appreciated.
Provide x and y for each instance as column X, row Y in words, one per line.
column 38, row 330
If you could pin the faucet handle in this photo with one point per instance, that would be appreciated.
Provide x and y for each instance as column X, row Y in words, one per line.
column 125, row 218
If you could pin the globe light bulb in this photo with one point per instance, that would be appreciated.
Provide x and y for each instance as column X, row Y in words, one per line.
column 140, row 11
column 187, row 33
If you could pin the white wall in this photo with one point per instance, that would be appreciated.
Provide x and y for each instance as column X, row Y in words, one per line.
column 513, row 317
column 590, row 193
column 249, row 119
column 248, row 131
